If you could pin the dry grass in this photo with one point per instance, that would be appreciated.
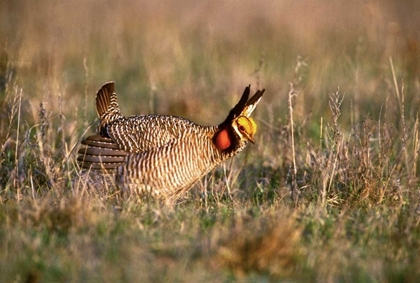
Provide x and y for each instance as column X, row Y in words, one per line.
column 267, row 247
column 328, row 193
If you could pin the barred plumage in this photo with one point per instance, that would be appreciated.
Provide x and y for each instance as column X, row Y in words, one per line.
column 163, row 155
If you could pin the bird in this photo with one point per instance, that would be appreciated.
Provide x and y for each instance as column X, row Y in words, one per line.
column 163, row 156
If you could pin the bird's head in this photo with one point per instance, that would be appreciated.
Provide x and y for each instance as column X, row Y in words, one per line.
column 245, row 128
column 239, row 128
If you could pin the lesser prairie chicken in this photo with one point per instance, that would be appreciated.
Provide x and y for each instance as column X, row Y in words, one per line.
column 161, row 155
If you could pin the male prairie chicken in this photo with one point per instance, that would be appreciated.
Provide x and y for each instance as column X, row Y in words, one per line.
column 163, row 155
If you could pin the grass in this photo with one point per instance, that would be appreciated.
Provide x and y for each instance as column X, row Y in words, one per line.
column 329, row 193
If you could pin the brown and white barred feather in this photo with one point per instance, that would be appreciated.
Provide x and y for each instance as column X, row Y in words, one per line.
column 170, row 170
column 162, row 155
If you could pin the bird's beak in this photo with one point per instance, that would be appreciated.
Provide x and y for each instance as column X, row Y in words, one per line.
column 249, row 138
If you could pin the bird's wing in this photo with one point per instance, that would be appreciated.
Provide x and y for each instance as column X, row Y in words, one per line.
column 146, row 132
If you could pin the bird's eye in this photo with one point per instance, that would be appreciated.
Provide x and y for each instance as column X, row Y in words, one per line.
column 241, row 128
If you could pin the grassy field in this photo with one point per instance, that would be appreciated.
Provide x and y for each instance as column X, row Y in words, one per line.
column 330, row 192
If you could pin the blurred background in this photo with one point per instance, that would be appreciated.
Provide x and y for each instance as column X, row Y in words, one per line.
column 194, row 58
column 350, row 179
